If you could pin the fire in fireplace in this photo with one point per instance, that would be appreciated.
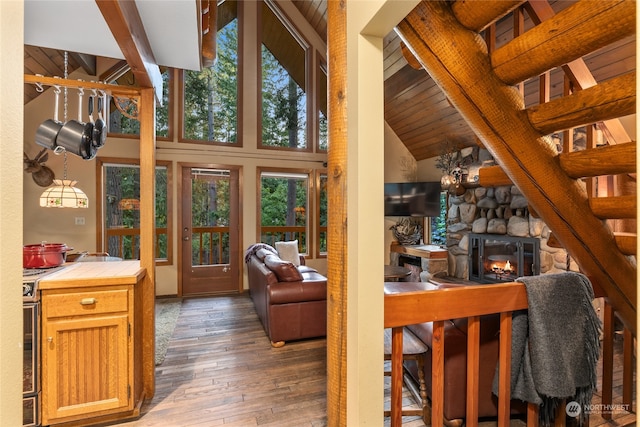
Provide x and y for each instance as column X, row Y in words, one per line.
column 497, row 258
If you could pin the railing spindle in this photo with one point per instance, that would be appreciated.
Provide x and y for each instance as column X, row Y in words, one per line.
column 607, row 357
column 504, row 378
column 437, row 374
column 473, row 369
column 396, row 376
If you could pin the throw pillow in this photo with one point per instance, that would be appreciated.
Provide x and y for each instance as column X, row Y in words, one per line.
column 285, row 271
column 288, row 251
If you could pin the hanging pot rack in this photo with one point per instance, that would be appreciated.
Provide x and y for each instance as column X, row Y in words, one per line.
column 123, row 96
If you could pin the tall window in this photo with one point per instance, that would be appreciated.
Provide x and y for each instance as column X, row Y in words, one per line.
column 120, row 188
column 122, row 114
column 210, row 96
column 438, row 225
column 323, row 124
column 284, row 207
column 322, row 197
column 284, row 97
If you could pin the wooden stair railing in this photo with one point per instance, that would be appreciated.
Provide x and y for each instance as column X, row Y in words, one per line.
column 437, row 306
column 465, row 70
column 408, row 308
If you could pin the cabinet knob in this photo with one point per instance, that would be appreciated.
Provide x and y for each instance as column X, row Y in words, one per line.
column 88, row 301
column 49, row 339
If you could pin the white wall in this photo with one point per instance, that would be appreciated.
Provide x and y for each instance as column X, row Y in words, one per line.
column 11, row 93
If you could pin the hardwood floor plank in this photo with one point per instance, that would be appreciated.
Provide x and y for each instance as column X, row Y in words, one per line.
column 220, row 370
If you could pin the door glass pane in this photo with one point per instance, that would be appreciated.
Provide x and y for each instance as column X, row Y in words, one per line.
column 210, row 217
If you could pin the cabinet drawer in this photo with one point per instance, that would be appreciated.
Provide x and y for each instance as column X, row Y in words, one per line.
column 85, row 303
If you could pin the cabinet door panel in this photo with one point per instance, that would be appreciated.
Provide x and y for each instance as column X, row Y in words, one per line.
column 86, row 366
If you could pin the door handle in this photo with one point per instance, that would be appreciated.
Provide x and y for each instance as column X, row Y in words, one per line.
column 185, row 238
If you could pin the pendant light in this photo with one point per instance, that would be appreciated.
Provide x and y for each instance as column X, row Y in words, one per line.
column 63, row 193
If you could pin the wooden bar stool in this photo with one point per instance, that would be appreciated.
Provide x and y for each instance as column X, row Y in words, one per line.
column 412, row 349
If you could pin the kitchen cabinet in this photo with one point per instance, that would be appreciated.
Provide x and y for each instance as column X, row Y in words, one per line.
column 89, row 365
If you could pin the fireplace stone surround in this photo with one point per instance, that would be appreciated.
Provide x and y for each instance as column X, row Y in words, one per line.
column 497, row 211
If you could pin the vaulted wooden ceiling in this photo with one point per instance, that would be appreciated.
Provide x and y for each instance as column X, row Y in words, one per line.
column 415, row 108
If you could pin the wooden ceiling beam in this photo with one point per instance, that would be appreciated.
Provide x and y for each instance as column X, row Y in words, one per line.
column 477, row 17
column 125, row 24
column 209, row 32
column 608, row 100
column 567, row 36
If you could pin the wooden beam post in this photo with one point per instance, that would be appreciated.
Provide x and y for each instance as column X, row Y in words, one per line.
column 337, row 221
column 147, row 117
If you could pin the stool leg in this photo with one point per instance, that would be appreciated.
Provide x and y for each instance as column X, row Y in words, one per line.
column 426, row 410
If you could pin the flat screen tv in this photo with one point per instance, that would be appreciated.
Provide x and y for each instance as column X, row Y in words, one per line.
column 412, row 199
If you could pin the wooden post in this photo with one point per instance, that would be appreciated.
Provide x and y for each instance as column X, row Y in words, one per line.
column 337, row 221
column 147, row 117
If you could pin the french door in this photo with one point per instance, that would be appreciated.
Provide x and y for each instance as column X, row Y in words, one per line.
column 210, row 231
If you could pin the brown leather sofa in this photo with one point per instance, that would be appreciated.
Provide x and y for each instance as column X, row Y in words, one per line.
column 290, row 300
column 455, row 364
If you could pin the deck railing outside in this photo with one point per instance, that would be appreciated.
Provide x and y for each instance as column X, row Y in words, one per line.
column 210, row 245
column 125, row 242
column 272, row 234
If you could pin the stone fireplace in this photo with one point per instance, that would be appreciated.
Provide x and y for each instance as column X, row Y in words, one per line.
column 498, row 258
column 502, row 215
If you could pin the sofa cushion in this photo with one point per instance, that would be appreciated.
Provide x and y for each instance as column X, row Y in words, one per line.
column 288, row 251
column 284, row 270
column 312, row 288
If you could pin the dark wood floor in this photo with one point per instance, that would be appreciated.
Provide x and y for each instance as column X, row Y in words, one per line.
column 220, row 370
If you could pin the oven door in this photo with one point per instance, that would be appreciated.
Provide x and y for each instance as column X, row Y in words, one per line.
column 31, row 365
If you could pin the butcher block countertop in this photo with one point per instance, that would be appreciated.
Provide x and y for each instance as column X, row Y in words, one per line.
column 101, row 273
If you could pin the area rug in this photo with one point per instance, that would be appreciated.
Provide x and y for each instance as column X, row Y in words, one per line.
column 167, row 312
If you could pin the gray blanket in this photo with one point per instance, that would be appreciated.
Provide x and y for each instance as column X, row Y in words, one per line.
column 555, row 346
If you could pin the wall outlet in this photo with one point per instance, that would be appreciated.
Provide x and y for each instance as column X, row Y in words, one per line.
column 79, row 220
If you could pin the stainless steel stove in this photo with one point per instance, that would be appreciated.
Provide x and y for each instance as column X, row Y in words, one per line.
column 30, row 278
column 31, row 344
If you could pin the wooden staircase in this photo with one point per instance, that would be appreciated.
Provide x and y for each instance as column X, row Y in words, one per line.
column 451, row 41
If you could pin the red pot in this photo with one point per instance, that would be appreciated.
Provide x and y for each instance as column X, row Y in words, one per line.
column 44, row 255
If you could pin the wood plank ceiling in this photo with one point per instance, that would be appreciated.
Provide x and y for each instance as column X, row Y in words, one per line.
column 415, row 108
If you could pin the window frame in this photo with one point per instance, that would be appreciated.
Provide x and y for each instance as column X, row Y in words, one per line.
column 321, row 68
column 239, row 94
column 309, row 208
column 319, row 173
column 101, row 162
column 170, row 109
column 308, row 73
